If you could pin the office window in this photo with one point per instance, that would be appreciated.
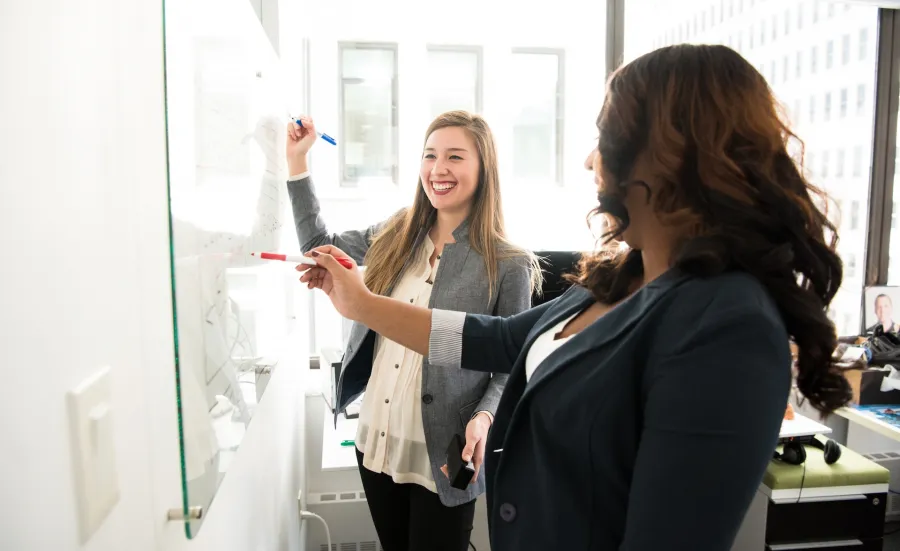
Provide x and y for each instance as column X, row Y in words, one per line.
column 752, row 37
column 740, row 42
column 537, row 116
column 786, row 71
column 368, row 147
column 774, row 27
column 762, row 33
column 722, row 11
column 772, row 73
column 830, row 10
column 830, row 144
column 854, row 215
column 815, row 16
column 454, row 79
column 860, row 99
column 863, row 44
column 712, row 16
column 730, row 8
column 849, row 271
column 829, row 54
column 845, row 49
column 703, row 22
column 694, row 27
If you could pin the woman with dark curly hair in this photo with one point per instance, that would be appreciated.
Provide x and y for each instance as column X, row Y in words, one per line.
column 643, row 405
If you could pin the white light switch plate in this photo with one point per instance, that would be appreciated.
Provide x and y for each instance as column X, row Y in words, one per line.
column 93, row 452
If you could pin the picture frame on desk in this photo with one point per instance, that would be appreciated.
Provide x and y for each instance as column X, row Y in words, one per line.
column 881, row 304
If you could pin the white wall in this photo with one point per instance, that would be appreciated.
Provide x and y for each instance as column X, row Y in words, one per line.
column 85, row 283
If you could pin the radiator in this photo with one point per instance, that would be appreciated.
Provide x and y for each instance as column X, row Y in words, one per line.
column 349, row 521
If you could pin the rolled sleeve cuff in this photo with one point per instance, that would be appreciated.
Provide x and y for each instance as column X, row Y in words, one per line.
column 298, row 177
column 445, row 340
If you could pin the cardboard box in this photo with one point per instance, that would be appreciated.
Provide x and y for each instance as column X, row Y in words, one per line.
column 866, row 385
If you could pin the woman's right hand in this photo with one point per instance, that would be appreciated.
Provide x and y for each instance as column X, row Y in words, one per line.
column 299, row 141
column 344, row 287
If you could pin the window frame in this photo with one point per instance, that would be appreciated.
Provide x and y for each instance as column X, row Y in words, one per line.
column 343, row 180
column 479, row 66
column 884, row 143
column 560, row 105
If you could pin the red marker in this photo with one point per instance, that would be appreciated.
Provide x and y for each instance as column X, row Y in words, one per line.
column 345, row 262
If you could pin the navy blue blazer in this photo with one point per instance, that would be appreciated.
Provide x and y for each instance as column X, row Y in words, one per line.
column 649, row 430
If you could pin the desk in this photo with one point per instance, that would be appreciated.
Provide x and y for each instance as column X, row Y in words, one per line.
column 870, row 421
column 834, row 510
column 334, row 456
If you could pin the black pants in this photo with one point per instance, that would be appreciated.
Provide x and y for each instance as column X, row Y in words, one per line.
column 408, row 517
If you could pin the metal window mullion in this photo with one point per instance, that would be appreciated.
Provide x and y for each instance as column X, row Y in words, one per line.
column 881, row 184
column 615, row 34
column 560, row 114
column 395, row 117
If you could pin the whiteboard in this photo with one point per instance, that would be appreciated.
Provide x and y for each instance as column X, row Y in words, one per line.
column 225, row 125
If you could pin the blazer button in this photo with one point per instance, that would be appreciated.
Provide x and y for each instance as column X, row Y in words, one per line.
column 428, row 398
column 508, row 512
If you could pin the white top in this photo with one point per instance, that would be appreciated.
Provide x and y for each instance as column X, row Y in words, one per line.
column 544, row 345
column 391, row 435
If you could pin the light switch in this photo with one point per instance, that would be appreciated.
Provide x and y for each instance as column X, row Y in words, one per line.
column 93, row 452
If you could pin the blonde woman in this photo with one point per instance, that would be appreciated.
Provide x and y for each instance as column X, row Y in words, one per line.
column 448, row 250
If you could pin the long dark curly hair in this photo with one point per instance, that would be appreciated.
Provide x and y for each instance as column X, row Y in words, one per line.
column 709, row 126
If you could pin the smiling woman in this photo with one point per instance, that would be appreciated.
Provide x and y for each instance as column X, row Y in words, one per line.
column 448, row 250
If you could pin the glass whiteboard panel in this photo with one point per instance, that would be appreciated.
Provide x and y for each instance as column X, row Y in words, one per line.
column 225, row 128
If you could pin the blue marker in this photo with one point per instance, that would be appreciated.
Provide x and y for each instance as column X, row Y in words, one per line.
column 322, row 135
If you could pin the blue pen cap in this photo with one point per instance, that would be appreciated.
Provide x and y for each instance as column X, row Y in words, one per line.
column 329, row 139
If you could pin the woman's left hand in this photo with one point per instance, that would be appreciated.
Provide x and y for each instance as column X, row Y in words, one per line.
column 476, row 439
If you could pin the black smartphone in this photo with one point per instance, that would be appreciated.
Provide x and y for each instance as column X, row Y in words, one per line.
column 461, row 472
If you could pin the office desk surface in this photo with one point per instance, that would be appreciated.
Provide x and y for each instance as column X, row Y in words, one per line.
column 337, row 457
column 870, row 421
column 334, row 456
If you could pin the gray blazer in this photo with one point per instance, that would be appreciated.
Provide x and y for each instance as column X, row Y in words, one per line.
column 449, row 397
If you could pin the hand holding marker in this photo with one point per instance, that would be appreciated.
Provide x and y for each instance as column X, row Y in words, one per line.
column 322, row 135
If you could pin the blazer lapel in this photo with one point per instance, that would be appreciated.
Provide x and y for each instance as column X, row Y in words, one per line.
column 606, row 329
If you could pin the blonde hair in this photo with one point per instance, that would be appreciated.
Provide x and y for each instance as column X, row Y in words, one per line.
column 487, row 232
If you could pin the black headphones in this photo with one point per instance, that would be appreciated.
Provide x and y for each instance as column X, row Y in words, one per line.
column 794, row 453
